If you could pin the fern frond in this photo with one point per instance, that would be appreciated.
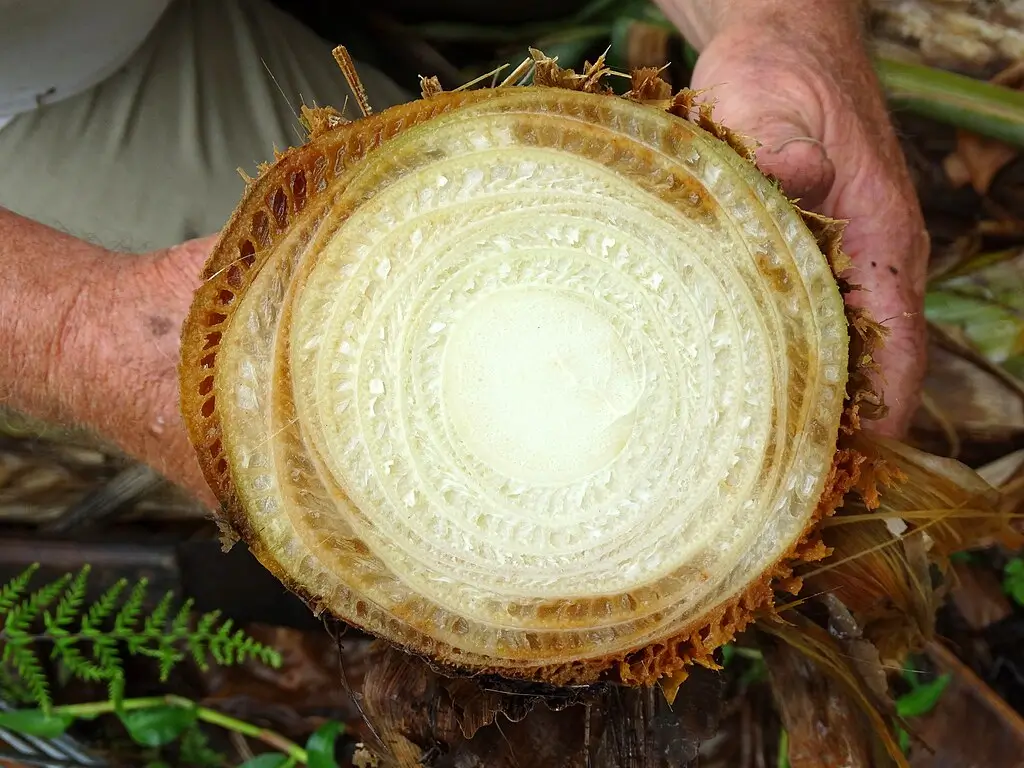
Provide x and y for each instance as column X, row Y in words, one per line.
column 157, row 620
column 19, row 618
column 115, row 689
column 168, row 660
column 15, row 588
column 199, row 651
column 110, row 627
column 70, row 604
column 31, row 674
column 128, row 616
column 269, row 656
column 13, row 688
column 221, row 644
column 180, row 624
column 77, row 665
column 103, row 607
column 104, row 652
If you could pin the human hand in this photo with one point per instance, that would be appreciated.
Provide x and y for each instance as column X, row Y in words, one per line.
column 122, row 352
column 168, row 280
column 91, row 336
column 795, row 77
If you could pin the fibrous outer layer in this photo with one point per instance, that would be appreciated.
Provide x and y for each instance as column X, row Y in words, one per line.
column 526, row 380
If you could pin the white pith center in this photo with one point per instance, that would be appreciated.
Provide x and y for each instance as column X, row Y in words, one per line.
column 540, row 386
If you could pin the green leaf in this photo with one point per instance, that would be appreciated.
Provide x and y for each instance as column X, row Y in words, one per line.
column 756, row 672
column 19, row 618
column 269, row 760
column 157, row 726
column 93, row 652
column 194, row 750
column 70, row 603
column 35, row 722
column 320, row 746
column 619, row 40
column 728, row 653
column 994, row 328
column 15, row 588
column 157, row 620
column 1013, row 580
column 128, row 616
column 923, row 698
column 904, row 739
column 32, row 675
column 103, row 607
column 783, row 759
column 991, row 110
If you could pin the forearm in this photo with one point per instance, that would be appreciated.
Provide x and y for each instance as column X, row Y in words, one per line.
column 90, row 338
column 700, row 20
column 47, row 277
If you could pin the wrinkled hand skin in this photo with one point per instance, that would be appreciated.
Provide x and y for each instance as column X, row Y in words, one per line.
column 154, row 292
column 798, row 81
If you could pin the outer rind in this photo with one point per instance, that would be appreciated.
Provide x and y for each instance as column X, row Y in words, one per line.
column 267, row 212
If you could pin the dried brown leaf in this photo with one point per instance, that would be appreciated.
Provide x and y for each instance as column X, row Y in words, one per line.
column 964, row 401
column 310, row 680
column 317, row 121
column 548, row 73
column 978, row 596
column 817, row 646
column 647, row 45
column 970, row 726
column 885, row 542
column 825, row 727
column 1003, row 470
column 942, row 497
column 647, row 86
column 977, row 161
column 874, row 576
column 430, row 86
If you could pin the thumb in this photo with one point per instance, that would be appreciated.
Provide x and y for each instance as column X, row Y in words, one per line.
column 788, row 149
column 780, row 114
column 792, row 155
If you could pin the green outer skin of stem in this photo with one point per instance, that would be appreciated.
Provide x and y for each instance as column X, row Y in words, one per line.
column 974, row 105
column 212, row 716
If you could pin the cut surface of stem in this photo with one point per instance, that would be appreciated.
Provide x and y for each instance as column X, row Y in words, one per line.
column 524, row 380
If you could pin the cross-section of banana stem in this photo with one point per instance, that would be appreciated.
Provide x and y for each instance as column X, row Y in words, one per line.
column 553, row 386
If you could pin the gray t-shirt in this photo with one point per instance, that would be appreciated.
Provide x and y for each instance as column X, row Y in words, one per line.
column 53, row 49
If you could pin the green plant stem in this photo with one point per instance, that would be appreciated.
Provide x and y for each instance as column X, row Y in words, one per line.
column 207, row 715
column 974, row 105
